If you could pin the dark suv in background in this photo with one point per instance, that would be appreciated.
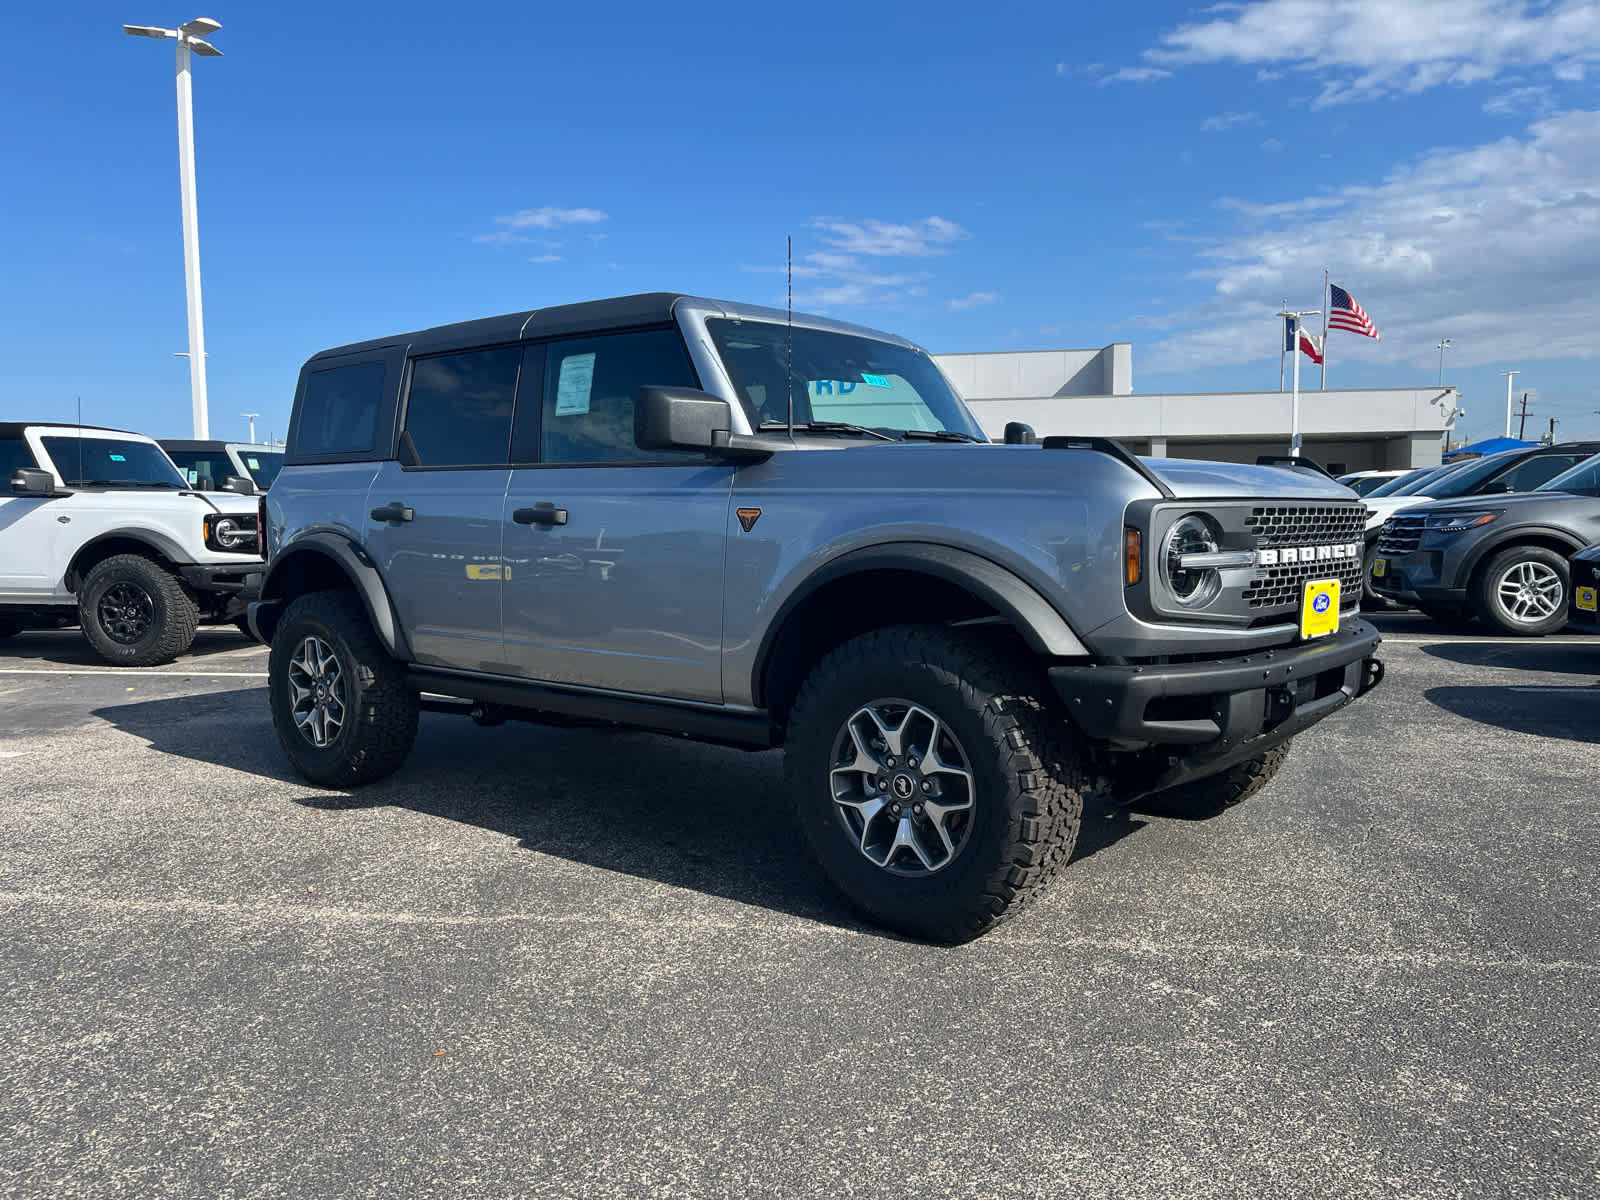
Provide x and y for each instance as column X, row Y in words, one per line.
column 1496, row 556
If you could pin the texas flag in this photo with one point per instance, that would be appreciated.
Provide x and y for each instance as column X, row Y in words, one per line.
column 1308, row 342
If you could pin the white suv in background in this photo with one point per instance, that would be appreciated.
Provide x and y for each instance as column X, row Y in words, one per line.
column 99, row 524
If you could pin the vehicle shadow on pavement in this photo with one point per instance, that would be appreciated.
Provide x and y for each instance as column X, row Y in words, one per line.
column 1560, row 657
column 1572, row 713
column 663, row 809
column 69, row 648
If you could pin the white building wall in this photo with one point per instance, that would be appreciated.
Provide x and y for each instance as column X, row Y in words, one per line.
column 1021, row 374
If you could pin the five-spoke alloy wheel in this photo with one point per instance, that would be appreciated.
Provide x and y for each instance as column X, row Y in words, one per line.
column 340, row 704
column 935, row 787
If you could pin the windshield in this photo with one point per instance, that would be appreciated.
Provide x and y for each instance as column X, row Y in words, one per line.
column 1365, row 484
column 111, row 462
column 1406, row 483
column 1582, row 480
column 1465, row 481
column 836, row 377
column 263, row 465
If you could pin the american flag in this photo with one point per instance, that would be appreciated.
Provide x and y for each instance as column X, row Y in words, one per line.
column 1345, row 313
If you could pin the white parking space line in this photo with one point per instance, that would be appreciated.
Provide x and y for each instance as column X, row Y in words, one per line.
column 138, row 673
column 1390, row 639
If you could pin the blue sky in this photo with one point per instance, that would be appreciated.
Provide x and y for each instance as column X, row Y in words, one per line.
column 1019, row 176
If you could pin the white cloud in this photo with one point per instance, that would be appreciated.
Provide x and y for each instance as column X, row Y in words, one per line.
column 973, row 300
column 545, row 258
column 502, row 237
column 1228, row 120
column 1362, row 49
column 1135, row 75
column 1497, row 246
column 551, row 218
column 1272, row 145
column 1535, row 99
column 916, row 239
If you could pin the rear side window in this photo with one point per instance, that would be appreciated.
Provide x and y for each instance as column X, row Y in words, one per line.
column 459, row 410
column 339, row 412
column 14, row 454
column 1541, row 468
column 589, row 389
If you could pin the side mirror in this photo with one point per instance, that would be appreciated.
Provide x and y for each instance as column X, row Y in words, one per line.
column 680, row 418
column 205, row 483
column 239, row 483
column 26, row 481
column 1019, row 433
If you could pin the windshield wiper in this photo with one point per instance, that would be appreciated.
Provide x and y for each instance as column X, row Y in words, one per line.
column 938, row 435
column 822, row 427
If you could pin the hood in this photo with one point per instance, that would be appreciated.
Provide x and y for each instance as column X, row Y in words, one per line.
column 1194, row 479
column 1497, row 500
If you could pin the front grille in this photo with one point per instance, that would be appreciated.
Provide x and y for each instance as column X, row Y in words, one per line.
column 1305, row 524
column 1295, row 525
column 1400, row 535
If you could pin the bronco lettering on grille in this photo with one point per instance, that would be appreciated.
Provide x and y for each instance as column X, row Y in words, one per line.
column 1307, row 554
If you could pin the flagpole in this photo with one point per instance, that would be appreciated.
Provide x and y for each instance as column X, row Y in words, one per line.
column 1324, row 384
column 1294, row 405
column 1281, row 349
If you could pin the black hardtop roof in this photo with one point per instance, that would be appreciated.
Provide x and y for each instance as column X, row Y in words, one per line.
column 213, row 444
column 12, row 429
column 647, row 308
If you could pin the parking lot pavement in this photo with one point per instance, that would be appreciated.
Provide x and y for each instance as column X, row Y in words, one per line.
column 583, row 963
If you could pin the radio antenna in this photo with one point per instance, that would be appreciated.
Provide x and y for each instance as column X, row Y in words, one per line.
column 789, row 327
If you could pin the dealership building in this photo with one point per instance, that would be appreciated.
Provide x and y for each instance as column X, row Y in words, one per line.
column 1089, row 393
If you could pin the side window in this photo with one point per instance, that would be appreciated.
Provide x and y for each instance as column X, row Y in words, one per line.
column 1542, row 468
column 339, row 413
column 14, row 453
column 459, row 410
column 589, row 389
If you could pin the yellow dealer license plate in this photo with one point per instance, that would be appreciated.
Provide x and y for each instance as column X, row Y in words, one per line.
column 1319, row 608
column 1380, row 567
column 1586, row 599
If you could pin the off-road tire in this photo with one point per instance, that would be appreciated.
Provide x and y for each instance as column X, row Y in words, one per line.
column 1028, row 777
column 1217, row 793
column 380, row 721
column 1486, row 602
column 167, row 612
column 10, row 627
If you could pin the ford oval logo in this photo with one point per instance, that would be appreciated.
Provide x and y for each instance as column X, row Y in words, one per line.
column 1321, row 602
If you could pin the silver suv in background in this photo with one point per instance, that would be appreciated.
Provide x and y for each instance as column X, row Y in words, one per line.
column 728, row 523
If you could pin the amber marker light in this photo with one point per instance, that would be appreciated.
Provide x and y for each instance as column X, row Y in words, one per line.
column 1132, row 559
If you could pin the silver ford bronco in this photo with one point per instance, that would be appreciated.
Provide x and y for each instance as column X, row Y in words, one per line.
column 733, row 524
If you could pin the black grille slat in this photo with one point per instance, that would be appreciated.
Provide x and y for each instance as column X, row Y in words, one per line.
column 1400, row 535
column 1280, row 526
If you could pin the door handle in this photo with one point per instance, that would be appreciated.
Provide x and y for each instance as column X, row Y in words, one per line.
column 393, row 513
column 543, row 513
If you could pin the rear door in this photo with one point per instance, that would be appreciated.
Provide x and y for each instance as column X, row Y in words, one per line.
column 435, row 514
column 614, row 555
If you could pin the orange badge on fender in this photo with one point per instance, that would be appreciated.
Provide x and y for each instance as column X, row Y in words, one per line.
column 748, row 517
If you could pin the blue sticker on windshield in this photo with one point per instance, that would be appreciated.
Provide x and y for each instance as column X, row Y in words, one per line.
column 874, row 380
column 118, row 458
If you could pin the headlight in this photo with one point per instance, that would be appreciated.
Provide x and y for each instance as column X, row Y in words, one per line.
column 232, row 532
column 1191, row 585
column 1455, row 522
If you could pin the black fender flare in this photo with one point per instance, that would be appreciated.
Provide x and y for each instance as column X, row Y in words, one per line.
column 355, row 564
column 168, row 549
column 1045, row 630
column 1514, row 536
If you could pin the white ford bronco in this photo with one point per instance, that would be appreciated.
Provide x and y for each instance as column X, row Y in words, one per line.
column 98, row 525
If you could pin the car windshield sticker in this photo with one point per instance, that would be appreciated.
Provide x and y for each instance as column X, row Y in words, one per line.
column 118, row 458
column 875, row 380
column 572, row 388
column 253, row 463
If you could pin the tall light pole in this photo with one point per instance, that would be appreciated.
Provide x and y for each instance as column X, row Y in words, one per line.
column 1443, row 342
column 1509, row 375
column 189, row 37
column 251, row 417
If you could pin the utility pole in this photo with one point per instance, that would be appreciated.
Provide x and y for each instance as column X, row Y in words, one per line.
column 1522, row 426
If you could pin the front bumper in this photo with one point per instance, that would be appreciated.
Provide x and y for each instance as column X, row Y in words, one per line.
column 1206, row 716
column 1416, row 579
column 1585, row 590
